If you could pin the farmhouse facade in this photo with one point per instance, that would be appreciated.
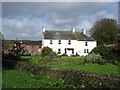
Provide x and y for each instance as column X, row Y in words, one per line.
column 69, row 42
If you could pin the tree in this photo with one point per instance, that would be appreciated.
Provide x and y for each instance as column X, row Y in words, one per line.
column 17, row 49
column 105, row 31
column 46, row 51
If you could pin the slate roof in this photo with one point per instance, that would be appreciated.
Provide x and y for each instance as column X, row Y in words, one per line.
column 66, row 35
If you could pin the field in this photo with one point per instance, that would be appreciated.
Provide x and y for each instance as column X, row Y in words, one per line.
column 53, row 61
column 17, row 79
column 100, row 69
column 73, row 63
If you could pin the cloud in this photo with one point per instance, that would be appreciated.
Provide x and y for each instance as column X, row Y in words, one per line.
column 25, row 19
column 23, row 28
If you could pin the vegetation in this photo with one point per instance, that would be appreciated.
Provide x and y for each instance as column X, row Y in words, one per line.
column 100, row 69
column 50, row 61
column 75, row 63
column 17, row 79
column 46, row 51
column 105, row 31
column 107, row 53
column 14, row 52
column 94, row 58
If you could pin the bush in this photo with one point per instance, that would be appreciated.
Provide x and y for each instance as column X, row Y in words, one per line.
column 46, row 51
column 106, row 52
column 64, row 54
column 10, row 56
column 93, row 58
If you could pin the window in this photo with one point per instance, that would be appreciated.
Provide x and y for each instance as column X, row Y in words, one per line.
column 59, row 51
column 69, row 42
column 59, row 41
column 87, row 50
column 51, row 42
column 86, row 43
column 84, row 50
column 65, row 50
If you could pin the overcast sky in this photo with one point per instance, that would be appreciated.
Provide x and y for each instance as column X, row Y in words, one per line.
column 26, row 19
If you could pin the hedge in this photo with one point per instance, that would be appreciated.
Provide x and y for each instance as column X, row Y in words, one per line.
column 106, row 52
column 81, row 79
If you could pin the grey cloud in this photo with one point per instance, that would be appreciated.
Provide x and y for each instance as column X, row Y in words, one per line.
column 25, row 19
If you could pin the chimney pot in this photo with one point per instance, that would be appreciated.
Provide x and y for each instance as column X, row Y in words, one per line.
column 84, row 31
column 43, row 29
column 73, row 29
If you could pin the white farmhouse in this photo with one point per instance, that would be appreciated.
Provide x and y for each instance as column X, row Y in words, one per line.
column 69, row 42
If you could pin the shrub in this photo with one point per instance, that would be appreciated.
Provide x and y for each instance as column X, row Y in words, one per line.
column 93, row 58
column 46, row 51
column 106, row 53
column 77, row 54
column 64, row 54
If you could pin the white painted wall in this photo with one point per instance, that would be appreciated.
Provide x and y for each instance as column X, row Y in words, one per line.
column 78, row 46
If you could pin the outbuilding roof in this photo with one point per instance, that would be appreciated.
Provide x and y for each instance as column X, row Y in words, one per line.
column 66, row 35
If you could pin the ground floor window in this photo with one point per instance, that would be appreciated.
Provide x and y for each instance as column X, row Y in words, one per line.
column 59, row 51
column 65, row 50
column 86, row 50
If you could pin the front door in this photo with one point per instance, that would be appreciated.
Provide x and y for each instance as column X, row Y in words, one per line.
column 70, row 51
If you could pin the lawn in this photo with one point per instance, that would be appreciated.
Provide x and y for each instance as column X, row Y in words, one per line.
column 73, row 63
column 99, row 69
column 48, row 61
column 17, row 79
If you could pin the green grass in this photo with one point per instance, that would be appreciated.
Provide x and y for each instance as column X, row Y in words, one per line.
column 17, row 79
column 99, row 69
column 73, row 63
column 48, row 61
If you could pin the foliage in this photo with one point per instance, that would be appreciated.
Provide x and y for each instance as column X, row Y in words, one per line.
column 17, row 79
column 77, row 54
column 10, row 56
column 17, row 49
column 75, row 77
column 64, row 54
column 106, row 52
column 46, row 51
column 93, row 58
column 14, row 52
column 105, row 31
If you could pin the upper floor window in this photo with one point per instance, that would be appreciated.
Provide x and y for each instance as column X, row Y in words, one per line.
column 59, row 51
column 51, row 42
column 86, row 43
column 69, row 42
column 59, row 41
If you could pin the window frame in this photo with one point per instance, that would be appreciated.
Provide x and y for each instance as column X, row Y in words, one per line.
column 84, row 50
column 51, row 42
column 86, row 43
column 87, row 50
column 59, row 41
column 69, row 42
column 59, row 51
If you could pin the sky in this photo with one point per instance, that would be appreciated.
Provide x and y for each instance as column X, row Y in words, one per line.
column 24, row 20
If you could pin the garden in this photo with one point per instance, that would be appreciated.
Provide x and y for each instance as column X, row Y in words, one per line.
column 97, row 70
